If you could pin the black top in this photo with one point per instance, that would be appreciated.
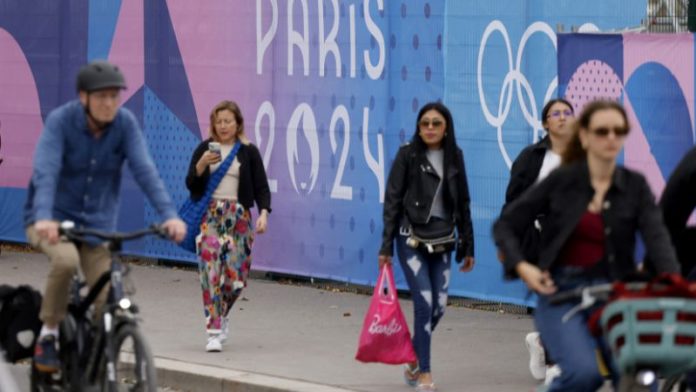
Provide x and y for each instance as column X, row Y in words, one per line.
column 523, row 175
column 525, row 169
column 678, row 202
column 411, row 189
column 253, row 185
column 629, row 206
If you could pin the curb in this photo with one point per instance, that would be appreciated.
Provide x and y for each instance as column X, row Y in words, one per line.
column 194, row 377
column 191, row 377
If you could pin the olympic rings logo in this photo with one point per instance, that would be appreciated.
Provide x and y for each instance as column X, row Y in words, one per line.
column 516, row 79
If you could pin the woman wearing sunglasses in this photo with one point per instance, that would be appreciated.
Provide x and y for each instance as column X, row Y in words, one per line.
column 531, row 166
column 594, row 208
column 427, row 193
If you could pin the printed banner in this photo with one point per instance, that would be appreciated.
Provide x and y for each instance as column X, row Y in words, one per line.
column 653, row 76
column 329, row 90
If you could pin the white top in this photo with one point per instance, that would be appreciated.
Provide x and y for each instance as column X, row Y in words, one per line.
column 551, row 162
column 229, row 185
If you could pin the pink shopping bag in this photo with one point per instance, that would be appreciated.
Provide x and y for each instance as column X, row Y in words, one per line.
column 385, row 337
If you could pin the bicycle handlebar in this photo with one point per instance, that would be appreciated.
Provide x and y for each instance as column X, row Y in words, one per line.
column 67, row 229
column 589, row 295
column 578, row 292
column 598, row 291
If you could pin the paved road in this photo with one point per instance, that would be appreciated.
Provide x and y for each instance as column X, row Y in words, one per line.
column 302, row 333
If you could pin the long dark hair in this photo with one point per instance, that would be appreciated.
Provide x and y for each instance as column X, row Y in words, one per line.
column 574, row 151
column 449, row 143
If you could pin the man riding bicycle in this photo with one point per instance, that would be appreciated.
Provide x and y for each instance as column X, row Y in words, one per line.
column 76, row 177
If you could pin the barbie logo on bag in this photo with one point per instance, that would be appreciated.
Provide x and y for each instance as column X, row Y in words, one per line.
column 385, row 337
column 390, row 329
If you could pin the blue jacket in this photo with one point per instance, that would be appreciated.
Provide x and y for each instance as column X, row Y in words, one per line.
column 77, row 177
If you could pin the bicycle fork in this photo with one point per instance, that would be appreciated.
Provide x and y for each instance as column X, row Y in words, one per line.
column 109, row 348
column 117, row 294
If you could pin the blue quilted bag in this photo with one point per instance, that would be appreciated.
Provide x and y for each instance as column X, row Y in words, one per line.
column 193, row 210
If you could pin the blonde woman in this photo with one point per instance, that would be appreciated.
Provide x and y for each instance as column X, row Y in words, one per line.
column 224, row 245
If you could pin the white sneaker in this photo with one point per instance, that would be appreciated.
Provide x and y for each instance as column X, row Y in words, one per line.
column 225, row 327
column 537, row 359
column 214, row 345
column 551, row 373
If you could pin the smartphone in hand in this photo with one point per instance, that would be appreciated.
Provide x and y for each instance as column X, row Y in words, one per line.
column 214, row 147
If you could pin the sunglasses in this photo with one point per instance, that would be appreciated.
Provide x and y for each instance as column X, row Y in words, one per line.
column 433, row 123
column 604, row 131
column 557, row 113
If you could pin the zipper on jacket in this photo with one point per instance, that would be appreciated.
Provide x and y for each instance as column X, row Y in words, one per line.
column 439, row 185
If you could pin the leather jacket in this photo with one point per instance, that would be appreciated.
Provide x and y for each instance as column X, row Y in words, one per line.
column 411, row 189
column 525, row 169
column 523, row 175
column 629, row 207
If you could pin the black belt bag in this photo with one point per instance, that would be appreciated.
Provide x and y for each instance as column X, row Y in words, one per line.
column 436, row 236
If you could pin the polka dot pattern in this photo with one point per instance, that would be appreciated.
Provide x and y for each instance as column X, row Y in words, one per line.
column 593, row 80
column 171, row 145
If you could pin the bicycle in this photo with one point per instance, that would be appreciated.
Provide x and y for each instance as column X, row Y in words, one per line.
column 113, row 354
column 650, row 329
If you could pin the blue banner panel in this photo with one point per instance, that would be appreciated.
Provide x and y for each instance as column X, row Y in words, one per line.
column 500, row 61
column 329, row 90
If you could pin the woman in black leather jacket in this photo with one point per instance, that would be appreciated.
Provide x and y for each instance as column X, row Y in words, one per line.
column 427, row 186
column 594, row 208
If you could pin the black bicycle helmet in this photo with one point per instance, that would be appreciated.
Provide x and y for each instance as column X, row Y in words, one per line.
column 99, row 75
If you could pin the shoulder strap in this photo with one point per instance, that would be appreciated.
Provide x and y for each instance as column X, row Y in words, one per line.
column 218, row 174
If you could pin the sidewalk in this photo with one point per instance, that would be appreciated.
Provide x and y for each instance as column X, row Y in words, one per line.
column 289, row 338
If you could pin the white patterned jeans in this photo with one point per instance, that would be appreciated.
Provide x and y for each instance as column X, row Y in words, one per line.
column 428, row 277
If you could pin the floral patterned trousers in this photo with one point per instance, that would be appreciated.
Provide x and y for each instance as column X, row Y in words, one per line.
column 224, row 253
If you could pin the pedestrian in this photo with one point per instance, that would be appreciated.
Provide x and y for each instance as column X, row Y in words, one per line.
column 677, row 203
column 77, row 177
column 225, row 242
column 594, row 209
column 427, row 197
column 532, row 165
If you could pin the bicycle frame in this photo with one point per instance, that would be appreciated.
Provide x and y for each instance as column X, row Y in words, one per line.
column 83, row 346
column 91, row 346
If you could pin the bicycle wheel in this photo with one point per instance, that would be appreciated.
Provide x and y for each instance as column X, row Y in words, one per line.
column 628, row 383
column 133, row 364
column 674, row 384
